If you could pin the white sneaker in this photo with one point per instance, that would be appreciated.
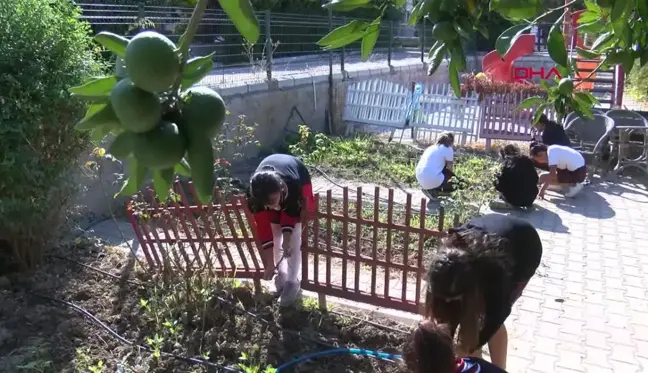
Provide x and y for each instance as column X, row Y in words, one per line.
column 289, row 294
column 573, row 191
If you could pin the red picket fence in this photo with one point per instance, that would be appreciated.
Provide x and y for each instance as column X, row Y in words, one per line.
column 183, row 234
column 369, row 251
column 362, row 248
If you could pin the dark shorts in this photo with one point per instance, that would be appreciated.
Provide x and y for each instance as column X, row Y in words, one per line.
column 572, row 177
column 446, row 186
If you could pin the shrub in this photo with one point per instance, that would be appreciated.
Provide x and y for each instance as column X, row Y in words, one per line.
column 638, row 83
column 45, row 50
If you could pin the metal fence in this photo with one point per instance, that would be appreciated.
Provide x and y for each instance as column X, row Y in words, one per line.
column 287, row 46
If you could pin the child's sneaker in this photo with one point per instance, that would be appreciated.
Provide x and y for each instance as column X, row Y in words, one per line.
column 573, row 191
column 500, row 204
column 289, row 294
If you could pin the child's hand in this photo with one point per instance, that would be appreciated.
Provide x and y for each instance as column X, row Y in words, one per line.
column 541, row 195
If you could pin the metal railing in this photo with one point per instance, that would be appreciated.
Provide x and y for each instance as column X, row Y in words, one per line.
column 287, row 46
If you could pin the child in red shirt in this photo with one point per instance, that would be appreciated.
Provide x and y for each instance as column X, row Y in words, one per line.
column 280, row 193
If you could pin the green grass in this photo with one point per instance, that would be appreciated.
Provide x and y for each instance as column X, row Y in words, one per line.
column 368, row 159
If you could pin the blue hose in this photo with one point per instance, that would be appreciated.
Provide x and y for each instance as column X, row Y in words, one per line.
column 339, row 351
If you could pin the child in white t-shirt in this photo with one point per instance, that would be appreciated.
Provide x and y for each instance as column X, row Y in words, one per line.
column 566, row 168
column 434, row 169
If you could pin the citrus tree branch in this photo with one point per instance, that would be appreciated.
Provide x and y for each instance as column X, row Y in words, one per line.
column 540, row 17
column 185, row 40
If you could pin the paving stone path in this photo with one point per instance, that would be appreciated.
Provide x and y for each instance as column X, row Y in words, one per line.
column 586, row 310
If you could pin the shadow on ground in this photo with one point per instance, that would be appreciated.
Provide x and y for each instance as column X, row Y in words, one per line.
column 589, row 203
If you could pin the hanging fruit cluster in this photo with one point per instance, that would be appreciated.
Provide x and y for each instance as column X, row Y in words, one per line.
column 161, row 124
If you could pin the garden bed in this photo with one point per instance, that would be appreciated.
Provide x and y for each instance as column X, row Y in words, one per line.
column 209, row 321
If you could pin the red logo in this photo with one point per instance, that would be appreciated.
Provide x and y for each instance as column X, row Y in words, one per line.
column 528, row 73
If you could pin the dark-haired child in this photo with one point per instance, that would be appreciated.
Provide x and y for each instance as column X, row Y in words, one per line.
column 567, row 168
column 475, row 278
column 517, row 181
column 430, row 349
column 280, row 192
column 434, row 169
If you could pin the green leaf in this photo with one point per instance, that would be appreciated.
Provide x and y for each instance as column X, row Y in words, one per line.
column 113, row 42
column 162, row 181
column 530, row 102
column 99, row 133
column 556, row 44
column 416, row 14
column 454, row 79
column 620, row 15
column 539, row 111
column 587, row 53
column 98, row 115
column 644, row 58
column 347, row 5
column 400, row 3
column 241, row 13
column 196, row 69
column 482, row 30
column 593, row 27
column 344, row 35
column 506, row 40
column 457, row 57
column 437, row 57
column 602, row 41
column 627, row 61
column 182, row 168
column 464, row 28
column 370, row 39
column 97, row 87
column 517, row 10
column 588, row 17
column 642, row 9
column 136, row 177
column 200, row 156
column 592, row 6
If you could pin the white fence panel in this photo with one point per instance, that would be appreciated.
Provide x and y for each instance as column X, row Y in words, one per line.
column 439, row 109
column 377, row 102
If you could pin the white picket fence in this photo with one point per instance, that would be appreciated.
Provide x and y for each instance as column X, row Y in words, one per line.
column 377, row 102
column 436, row 108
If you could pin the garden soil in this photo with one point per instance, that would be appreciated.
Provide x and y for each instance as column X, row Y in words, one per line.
column 38, row 335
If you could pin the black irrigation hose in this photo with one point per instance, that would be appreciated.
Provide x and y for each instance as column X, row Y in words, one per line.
column 114, row 334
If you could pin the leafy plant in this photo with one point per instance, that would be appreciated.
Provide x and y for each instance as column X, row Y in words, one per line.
column 622, row 26
column 247, row 363
column 45, row 49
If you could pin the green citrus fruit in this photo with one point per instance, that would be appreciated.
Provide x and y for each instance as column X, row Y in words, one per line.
column 566, row 86
column 444, row 31
column 161, row 147
column 203, row 112
column 152, row 61
column 138, row 111
column 200, row 156
column 123, row 145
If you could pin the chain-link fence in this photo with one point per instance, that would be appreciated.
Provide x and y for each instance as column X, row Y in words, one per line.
column 287, row 46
